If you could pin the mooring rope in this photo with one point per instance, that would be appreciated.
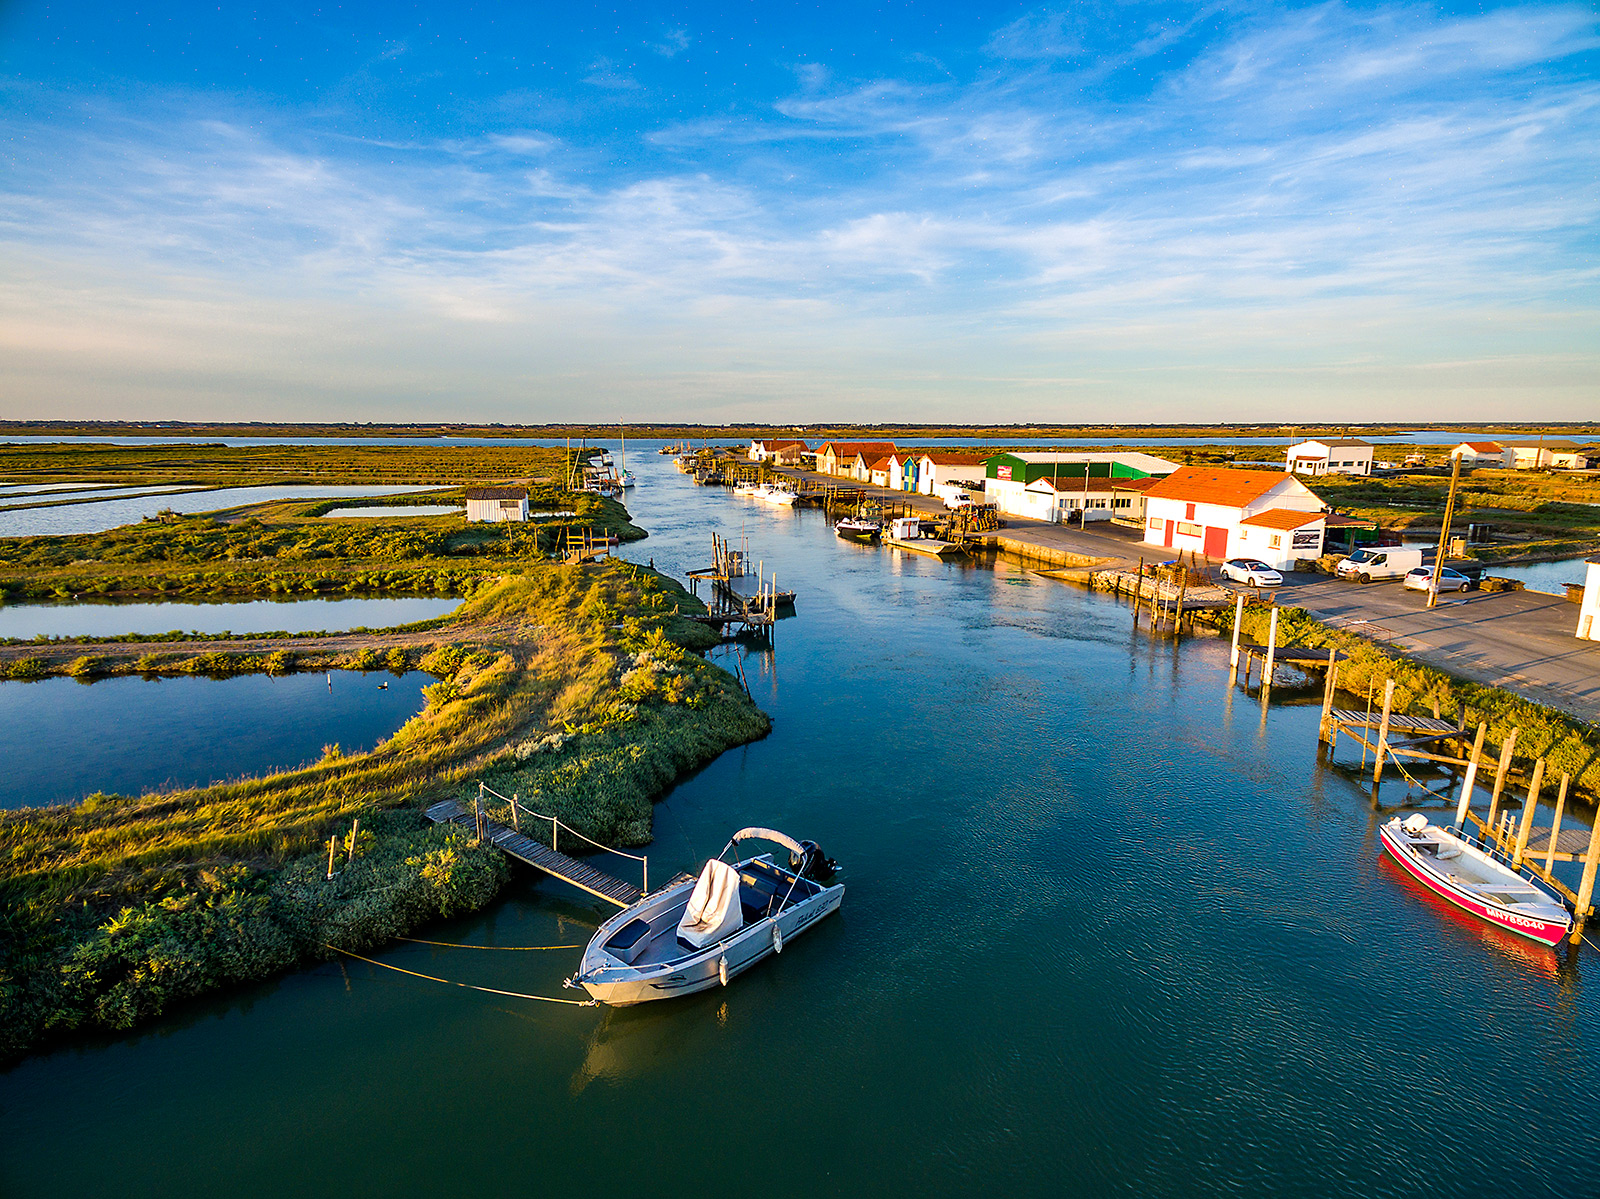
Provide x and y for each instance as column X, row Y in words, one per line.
column 468, row 986
column 502, row 948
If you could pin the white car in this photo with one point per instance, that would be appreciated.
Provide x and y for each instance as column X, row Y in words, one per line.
column 1251, row 573
column 1421, row 579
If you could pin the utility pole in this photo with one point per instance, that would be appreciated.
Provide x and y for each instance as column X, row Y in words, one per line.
column 1444, row 534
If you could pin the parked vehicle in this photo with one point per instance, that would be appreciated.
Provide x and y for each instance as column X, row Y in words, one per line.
column 953, row 495
column 1379, row 562
column 1251, row 573
column 1421, row 579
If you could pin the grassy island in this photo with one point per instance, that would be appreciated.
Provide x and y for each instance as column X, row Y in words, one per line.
column 580, row 686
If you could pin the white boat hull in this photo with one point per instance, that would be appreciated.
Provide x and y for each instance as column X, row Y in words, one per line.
column 619, row 984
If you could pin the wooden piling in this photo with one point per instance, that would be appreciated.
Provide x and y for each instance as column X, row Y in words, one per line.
column 1272, row 653
column 332, row 844
column 1383, row 732
column 1238, row 620
column 1525, row 826
column 1586, row 887
column 1465, row 805
column 350, row 844
column 1500, row 776
column 1555, row 825
column 1330, row 684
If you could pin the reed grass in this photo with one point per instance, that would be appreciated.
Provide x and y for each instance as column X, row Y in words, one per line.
column 116, row 907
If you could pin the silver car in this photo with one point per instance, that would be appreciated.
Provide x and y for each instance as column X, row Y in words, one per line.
column 1251, row 573
column 1421, row 579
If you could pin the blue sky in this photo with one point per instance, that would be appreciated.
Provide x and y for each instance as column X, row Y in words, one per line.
column 1126, row 212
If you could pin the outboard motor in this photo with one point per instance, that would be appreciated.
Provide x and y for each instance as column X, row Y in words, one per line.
column 814, row 864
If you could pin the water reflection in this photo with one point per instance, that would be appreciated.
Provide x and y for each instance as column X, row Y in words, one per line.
column 88, row 619
column 61, row 740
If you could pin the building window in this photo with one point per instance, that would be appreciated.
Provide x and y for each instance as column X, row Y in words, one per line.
column 1189, row 515
column 1155, row 522
column 1190, row 530
column 1277, row 541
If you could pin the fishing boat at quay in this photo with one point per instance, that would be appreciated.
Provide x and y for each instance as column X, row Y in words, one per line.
column 855, row 528
column 701, row 932
column 1463, row 872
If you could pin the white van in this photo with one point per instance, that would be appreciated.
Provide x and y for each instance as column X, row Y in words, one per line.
column 1380, row 562
column 953, row 495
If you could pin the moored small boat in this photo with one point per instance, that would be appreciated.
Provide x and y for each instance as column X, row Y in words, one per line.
column 1463, row 871
column 906, row 533
column 699, row 933
column 854, row 528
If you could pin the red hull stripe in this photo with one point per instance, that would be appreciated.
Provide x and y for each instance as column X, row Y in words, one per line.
column 1546, row 932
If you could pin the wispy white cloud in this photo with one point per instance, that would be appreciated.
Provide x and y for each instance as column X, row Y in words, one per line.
column 1305, row 170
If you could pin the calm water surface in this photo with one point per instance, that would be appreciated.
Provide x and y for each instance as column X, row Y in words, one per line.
column 108, row 514
column 1545, row 576
column 249, row 616
column 394, row 510
column 1109, row 929
column 62, row 740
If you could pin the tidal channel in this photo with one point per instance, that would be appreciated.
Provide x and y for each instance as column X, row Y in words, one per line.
column 1110, row 927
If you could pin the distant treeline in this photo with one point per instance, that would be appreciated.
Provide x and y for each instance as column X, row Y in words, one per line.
column 700, row 431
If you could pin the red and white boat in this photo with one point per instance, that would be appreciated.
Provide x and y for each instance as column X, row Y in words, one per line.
column 1476, row 880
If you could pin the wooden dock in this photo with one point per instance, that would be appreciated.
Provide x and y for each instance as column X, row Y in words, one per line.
column 540, row 857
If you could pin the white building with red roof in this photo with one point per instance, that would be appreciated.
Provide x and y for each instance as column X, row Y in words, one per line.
column 1223, row 512
column 1331, row 456
column 1480, row 453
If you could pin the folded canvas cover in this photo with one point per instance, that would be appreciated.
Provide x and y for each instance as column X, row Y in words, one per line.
column 713, row 910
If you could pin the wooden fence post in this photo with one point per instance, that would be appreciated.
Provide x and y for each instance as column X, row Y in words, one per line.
column 1272, row 653
column 1238, row 620
column 1525, row 826
column 1586, row 887
column 1555, row 825
column 1500, row 776
column 1383, row 732
column 1465, row 805
column 1329, row 685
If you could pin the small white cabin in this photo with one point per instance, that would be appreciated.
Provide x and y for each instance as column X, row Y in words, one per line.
column 1589, row 613
column 1334, row 456
column 495, row 504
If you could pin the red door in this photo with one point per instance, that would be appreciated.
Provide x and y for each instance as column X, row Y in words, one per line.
column 1216, row 541
column 1171, row 526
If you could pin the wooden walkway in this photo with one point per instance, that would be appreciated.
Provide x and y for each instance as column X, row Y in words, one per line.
column 541, row 857
column 1425, row 725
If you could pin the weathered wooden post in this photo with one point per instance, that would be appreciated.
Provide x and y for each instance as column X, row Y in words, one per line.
column 332, row 843
column 516, row 822
column 1500, row 777
column 1238, row 621
column 1555, row 825
column 1272, row 652
column 1525, row 826
column 1383, row 732
column 350, row 845
column 1330, row 684
column 1586, row 887
column 1465, row 805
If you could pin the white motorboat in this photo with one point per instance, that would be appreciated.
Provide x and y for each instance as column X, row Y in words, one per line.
column 1466, row 873
column 782, row 496
column 854, row 528
column 699, row 933
column 750, row 489
column 626, row 478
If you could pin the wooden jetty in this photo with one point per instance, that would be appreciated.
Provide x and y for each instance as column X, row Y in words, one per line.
column 513, row 842
column 1509, row 833
column 585, row 545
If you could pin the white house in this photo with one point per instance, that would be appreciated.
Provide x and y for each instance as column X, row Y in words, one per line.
column 1013, row 480
column 1589, row 613
column 1480, row 453
column 1227, row 513
column 784, row 453
column 1552, row 452
column 939, row 466
column 878, row 471
column 839, row 457
column 1335, row 456
column 496, row 504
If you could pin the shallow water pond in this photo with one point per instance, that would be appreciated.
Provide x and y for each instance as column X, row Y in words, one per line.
column 1544, row 576
column 393, row 510
column 88, row 619
column 131, row 735
column 108, row 514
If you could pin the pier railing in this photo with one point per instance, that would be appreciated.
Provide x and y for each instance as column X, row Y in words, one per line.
column 519, row 809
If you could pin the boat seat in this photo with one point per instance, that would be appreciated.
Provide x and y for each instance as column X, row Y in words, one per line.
column 628, row 942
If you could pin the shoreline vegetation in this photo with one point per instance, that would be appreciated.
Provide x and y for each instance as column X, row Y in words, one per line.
column 582, row 687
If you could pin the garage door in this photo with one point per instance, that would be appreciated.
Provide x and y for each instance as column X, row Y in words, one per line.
column 1216, row 541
